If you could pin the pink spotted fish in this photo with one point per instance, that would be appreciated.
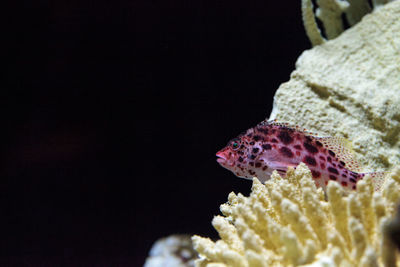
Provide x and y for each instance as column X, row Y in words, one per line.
column 273, row 146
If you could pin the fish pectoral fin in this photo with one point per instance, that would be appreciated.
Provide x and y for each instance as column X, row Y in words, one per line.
column 343, row 151
column 282, row 169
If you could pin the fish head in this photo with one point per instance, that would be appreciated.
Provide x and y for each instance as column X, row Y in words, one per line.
column 239, row 154
column 260, row 150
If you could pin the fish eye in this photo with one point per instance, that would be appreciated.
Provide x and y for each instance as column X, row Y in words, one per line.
column 235, row 145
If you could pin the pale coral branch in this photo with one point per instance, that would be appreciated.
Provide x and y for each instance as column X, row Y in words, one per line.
column 310, row 25
column 330, row 12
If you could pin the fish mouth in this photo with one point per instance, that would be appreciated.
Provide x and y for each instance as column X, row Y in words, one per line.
column 221, row 161
column 221, row 158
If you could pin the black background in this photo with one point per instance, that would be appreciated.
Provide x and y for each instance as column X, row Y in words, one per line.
column 113, row 112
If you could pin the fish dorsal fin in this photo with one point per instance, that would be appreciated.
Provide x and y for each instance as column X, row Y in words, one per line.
column 378, row 179
column 343, row 151
column 288, row 126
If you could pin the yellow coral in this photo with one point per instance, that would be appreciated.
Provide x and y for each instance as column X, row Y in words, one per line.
column 289, row 222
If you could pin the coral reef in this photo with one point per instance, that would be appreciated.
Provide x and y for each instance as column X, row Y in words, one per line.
column 172, row 251
column 349, row 86
column 289, row 222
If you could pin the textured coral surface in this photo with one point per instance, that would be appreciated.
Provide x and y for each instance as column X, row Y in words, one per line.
column 349, row 86
column 289, row 222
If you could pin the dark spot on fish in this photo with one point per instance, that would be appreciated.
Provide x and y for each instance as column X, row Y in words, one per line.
column 353, row 181
column 310, row 160
column 286, row 152
column 255, row 150
column 273, row 131
column 315, row 174
column 354, row 187
column 298, row 147
column 329, row 159
column 333, row 170
column 340, row 166
column 322, row 165
column 240, row 152
column 258, row 164
column 334, row 165
column 309, row 139
column 355, row 175
column 249, row 135
column 251, row 156
column 310, row 148
column 257, row 138
column 331, row 153
column 344, row 183
column 252, row 143
column 273, row 140
column 318, row 143
column 252, row 172
column 341, row 162
column 332, row 177
column 298, row 153
column 266, row 146
column 264, row 168
column 322, row 158
column 344, row 175
column 251, row 163
column 241, row 146
column 240, row 159
column 285, row 137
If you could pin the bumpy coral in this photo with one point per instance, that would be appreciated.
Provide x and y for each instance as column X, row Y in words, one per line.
column 287, row 221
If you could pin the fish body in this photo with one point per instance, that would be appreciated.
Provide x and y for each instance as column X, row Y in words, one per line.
column 276, row 146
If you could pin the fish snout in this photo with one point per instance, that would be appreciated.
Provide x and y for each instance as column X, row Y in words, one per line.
column 221, row 157
column 224, row 157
